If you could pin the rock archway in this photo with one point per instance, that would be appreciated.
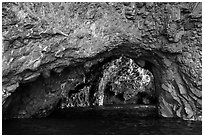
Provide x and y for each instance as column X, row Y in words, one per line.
column 141, row 78
column 57, row 53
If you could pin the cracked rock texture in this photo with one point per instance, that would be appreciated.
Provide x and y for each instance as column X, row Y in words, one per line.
column 125, row 79
column 40, row 40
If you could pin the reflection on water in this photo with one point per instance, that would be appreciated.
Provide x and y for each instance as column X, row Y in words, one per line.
column 101, row 122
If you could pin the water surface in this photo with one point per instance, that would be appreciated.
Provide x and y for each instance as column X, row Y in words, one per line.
column 104, row 121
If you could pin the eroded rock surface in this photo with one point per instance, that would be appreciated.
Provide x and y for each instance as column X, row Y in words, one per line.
column 41, row 40
column 125, row 79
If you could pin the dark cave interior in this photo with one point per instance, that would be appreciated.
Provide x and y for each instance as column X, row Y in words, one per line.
column 80, row 91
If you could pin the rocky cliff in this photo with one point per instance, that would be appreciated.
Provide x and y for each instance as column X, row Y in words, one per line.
column 52, row 52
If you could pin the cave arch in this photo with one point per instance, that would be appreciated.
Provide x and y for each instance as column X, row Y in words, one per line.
column 83, row 74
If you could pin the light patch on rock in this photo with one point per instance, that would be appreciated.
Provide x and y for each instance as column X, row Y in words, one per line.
column 12, row 87
column 31, row 77
column 93, row 29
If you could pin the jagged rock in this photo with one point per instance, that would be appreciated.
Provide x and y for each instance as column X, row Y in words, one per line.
column 125, row 79
column 80, row 99
column 70, row 43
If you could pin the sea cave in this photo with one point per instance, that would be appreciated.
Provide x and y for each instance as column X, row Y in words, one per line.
column 77, row 61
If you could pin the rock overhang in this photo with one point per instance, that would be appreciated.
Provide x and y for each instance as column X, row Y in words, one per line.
column 112, row 35
column 149, row 61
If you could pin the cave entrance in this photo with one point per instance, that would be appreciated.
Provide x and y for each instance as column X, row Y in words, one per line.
column 110, row 81
column 118, row 85
column 127, row 82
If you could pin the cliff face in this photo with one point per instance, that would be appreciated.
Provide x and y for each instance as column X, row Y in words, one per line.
column 52, row 49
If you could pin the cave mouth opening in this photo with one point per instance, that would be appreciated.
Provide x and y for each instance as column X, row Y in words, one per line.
column 132, row 84
column 115, row 81
column 120, row 86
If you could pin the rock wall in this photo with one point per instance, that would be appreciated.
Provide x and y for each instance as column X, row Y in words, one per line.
column 44, row 38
